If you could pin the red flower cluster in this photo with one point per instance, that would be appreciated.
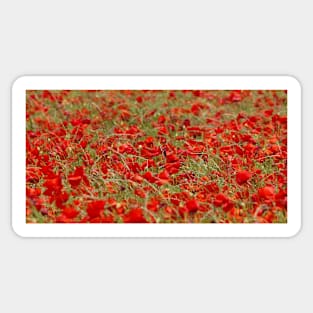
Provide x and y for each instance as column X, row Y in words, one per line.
column 189, row 156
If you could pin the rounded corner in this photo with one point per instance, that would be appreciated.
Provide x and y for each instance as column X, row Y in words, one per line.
column 294, row 81
column 295, row 231
column 17, row 231
column 18, row 81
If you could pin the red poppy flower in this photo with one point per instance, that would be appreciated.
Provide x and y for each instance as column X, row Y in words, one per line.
column 76, row 177
column 135, row 216
column 192, row 206
column 161, row 119
column 139, row 99
column 53, row 185
column 153, row 204
column 243, row 177
column 172, row 158
column 223, row 201
column 61, row 198
column 33, row 192
column 149, row 177
column 70, row 212
column 140, row 193
column 164, row 175
column 266, row 193
column 95, row 208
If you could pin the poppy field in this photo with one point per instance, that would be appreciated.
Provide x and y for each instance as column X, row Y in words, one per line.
column 156, row 156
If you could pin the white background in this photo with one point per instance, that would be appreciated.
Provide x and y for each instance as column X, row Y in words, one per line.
column 163, row 37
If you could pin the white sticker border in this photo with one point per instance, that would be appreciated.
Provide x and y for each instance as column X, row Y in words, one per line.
column 18, row 150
